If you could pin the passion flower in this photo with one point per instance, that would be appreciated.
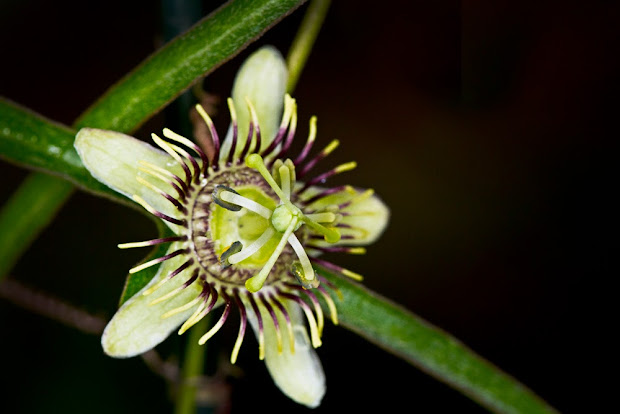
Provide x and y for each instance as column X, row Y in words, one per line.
column 250, row 226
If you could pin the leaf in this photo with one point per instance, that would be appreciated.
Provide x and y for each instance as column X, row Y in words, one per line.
column 435, row 352
column 172, row 69
column 28, row 139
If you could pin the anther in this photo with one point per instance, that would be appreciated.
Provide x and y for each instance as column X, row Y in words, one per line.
column 234, row 248
column 216, row 195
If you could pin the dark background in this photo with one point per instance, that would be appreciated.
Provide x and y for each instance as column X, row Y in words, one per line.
column 487, row 128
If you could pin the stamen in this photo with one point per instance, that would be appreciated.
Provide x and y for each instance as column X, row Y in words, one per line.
column 163, row 175
column 340, row 249
column 156, row 213
column 330, row 304
column 252, row 248
column 329, row 284
column 285, row 180
column 235, row 129
column 288, row 109
column 166, row 147
column 153, row 242
column 330, row 234
column 242, row 325
column 156, row 261
column 255, row 283
column 248, row 141
column 276, row 324
column 202, row 310
column 323, row 177
column 251, row 205
column 299, row 273
column 181, row 139
column 187, row 156
column 175, row 291
column 216, row 195
column 287, row 318
column 327, row 192
column 309, row 142
column 219, row 323
column 357, row 199
column 324, row 153
column 167, row 196
column 214, row 137
column 257, row 125
column 322, row 217
column 255, row 161
column 261, row 331
column 317, row 310
column 168, row 277
column 338, row 269
column 181, row 308
column 308, row 272
column 291, row 132
column 225, row 257
column 314, row 332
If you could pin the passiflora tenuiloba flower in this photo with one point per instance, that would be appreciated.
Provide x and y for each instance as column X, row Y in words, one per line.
column 250, row 222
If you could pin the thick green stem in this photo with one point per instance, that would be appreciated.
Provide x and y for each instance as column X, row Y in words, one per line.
column 304, row 40
column 29, row 210
column 193, row 364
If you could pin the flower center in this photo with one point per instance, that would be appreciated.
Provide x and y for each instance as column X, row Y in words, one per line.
column 277, row 223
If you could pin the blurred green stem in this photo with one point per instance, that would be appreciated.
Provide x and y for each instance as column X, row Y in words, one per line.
column 304, row 40
column 29, row 210
column 193, row 364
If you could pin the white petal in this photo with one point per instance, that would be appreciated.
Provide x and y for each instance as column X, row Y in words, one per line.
column 137, row 326
column 368, row 217
column 299, row 375
column 112, row 158
column 262, row 79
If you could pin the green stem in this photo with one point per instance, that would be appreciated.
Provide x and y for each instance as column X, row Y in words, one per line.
column 193, row 364
column 29, row 210
column 435, row 352
column 304, row 40
column 180, row 63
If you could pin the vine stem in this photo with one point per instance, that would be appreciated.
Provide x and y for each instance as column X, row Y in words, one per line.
column 304, row 40
column 29, row 210
column 193, row 364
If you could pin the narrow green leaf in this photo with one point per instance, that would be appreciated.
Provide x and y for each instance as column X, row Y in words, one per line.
column 163, row 76
column 411, row 338
column 30, row 140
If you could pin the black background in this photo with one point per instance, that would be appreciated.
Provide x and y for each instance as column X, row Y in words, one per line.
column 487, row 128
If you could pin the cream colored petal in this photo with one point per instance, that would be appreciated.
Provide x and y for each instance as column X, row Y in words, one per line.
column 113, row 158
column 138, row 326
column 262, row 79
column 299, row 375
column 367, row 217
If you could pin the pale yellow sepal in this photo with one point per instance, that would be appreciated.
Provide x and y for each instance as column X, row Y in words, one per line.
column 115, row 159
column 299, row 375
column 138, row 325
column 262, row 80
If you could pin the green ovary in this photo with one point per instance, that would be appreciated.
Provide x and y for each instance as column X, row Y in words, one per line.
column 245, row 226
